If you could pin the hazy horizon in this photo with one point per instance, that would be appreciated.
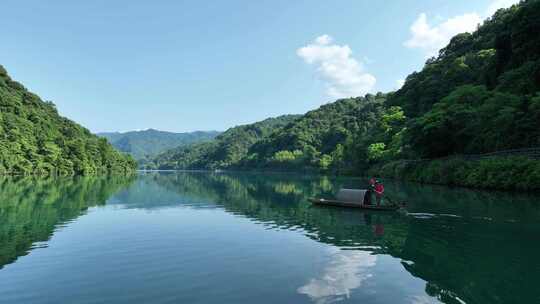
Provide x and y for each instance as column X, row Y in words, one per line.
column 149, row 129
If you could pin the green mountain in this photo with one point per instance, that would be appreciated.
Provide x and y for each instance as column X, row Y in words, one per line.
column 480, row 94
column 34, row 138
column 225, row 151
column 149, row 143
column 321, row 139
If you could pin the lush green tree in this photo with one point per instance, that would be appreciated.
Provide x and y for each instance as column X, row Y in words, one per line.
column 473, row 119
column 376, row 151
column 477, row 95
column 34, row 139
column 227, row 150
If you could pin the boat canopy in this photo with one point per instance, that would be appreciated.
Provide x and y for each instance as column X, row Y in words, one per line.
column 351, row 195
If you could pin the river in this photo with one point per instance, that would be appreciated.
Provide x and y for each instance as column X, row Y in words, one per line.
column 199, row 237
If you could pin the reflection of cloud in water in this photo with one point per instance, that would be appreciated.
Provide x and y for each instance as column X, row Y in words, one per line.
column 347, row 271
column 424, row 299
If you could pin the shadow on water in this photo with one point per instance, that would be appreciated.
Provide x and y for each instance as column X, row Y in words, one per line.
column 471, row 246
column 31, row 208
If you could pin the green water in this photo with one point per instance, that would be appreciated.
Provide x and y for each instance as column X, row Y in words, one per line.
column 253, row 238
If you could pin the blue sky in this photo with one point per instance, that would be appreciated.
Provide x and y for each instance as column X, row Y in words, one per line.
column 209, row 65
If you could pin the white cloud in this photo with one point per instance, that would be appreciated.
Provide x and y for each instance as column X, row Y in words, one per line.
column 343, row 75
column 497, row 4
column 430, row 38
column 399, row 83
column 347, row 271
column 324, row 39
column 424, row 299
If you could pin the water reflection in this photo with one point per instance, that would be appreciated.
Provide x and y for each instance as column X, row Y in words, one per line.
column 346, row 271
column 465, row 246
column 471, row 246
column 31, row 208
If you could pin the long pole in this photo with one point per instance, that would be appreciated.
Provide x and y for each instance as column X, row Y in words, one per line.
column 390, row 200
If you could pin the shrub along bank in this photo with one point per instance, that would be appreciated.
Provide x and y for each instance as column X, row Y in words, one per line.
column 505, row 173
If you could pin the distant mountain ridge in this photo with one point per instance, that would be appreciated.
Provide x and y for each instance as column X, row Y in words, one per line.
column 151, row 142
column 225, row 151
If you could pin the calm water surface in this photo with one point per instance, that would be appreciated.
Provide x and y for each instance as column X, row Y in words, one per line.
column 253, row 238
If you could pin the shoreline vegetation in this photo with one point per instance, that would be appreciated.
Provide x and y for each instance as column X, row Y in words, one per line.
column 497, row 173
column 513, row 173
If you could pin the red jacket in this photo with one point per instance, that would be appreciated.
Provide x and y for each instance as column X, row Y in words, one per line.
column 379, row 188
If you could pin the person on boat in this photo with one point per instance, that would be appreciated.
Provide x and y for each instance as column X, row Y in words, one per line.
column 371, row 188
column 367, row 197
column 372, row 183
column 379, row 191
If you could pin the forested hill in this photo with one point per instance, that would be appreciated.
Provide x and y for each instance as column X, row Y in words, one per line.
column 149, row 143
column 225, row 151
column 35, row 139
column 480, row 94
column 323, row 138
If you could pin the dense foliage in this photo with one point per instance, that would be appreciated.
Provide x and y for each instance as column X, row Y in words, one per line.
column 336, row 136
column 480, row 94
column 35, row 139
column 225, row 151
column 149, row 143
column 508, row 173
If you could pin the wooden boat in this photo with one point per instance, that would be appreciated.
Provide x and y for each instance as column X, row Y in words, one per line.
column 327, row 202
column 355, row 198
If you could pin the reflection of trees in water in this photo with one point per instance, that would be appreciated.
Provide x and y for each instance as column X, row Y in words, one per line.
column 280, row 201
column 479, row 246
column 479, row 261
column 31, row 208
column 486, row 252
column 497, row 206
column 476, row 246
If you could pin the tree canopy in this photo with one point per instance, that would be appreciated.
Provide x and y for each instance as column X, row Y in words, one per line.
column 225, row 151
column 481, row 93
column 34, row 138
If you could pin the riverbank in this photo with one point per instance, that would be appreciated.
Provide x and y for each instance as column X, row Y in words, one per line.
column 501, row 173
column 57, row 173
column 515, row 173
